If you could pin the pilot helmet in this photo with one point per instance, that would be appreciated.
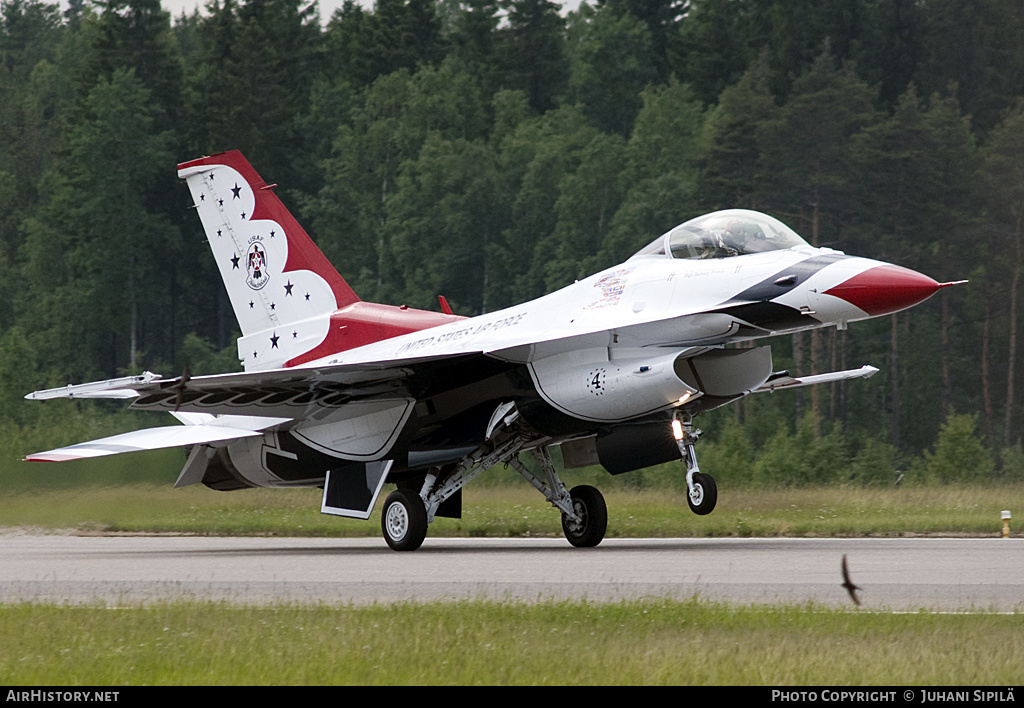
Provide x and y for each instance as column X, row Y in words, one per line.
column 739, row 232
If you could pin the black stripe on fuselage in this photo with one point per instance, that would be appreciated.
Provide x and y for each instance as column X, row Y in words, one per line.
column 755, row 304
column 782, row 281
column 770, row 317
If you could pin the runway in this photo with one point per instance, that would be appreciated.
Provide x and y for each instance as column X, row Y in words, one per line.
column 894, row 574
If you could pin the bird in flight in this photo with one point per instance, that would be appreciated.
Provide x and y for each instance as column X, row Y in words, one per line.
column 849, row 585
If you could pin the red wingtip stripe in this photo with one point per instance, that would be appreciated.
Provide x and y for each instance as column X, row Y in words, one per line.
column 52, row 457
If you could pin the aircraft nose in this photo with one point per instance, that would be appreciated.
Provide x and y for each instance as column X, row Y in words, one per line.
column 885, row 289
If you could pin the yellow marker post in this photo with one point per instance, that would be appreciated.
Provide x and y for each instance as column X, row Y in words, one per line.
column 1006, row 523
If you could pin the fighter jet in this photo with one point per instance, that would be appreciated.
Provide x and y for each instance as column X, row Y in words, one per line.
column 348, row 396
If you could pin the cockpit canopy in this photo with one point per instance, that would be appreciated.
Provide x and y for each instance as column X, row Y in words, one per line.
column 722, row 234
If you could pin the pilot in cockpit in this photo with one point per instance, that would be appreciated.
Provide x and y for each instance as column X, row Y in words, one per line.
column 723, row 234
column 741, row 236
column 706, row 244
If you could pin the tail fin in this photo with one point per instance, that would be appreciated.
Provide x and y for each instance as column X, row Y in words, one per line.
column 279, row 282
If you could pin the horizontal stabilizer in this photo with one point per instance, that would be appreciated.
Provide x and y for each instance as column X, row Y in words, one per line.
column 152, row 439
column 782, row 380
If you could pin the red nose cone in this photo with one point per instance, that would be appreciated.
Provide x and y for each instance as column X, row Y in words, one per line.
column 885, row 289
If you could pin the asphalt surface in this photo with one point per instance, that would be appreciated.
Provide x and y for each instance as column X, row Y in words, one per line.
column 893, row 574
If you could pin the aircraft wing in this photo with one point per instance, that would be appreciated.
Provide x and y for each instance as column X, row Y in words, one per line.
column 227, row 407
column 292, row 393
column 297, row 393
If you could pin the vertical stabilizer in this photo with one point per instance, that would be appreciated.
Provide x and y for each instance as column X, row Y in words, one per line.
column 282, row 288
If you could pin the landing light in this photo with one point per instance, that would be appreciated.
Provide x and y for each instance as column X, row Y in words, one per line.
column 677, row 429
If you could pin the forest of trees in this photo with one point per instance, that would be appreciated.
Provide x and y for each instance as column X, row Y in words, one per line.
column 495, row 150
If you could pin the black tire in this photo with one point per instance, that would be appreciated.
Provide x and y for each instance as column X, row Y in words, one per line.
column 589, row 504
column 403, row 520
column 706, row 492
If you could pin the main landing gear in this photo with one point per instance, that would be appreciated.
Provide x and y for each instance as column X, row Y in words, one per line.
column 404, row 520
column 406, row 514
column 702, row 492
column 584, row 513
column 592, row 513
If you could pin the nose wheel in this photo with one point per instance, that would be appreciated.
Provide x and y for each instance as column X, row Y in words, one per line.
column 703, row 495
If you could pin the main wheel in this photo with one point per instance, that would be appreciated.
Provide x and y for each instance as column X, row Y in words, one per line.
column 404, row 520
column 704, row 496
column 589, row 505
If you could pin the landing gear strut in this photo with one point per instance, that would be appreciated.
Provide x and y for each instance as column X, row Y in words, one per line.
column 702, row 492
column 584, row 513
column 407, row 514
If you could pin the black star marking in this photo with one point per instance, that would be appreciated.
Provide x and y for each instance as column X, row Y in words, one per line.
column 218, row 233
column 273, row 306
column 236, row 190
column 288, row 287
column 254, row 355
column 271, row 233
column 307, row 297
column 250, row 304
column 273, row 341
column 202, row 197
column 234, row 262
column 243, row 214
column 295, row 335
column 220, row 202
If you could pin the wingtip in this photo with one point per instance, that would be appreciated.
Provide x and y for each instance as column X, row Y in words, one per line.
column 50, row 457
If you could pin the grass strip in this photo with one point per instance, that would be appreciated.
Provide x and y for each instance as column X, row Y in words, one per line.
column 499, row 643
column 517, row 511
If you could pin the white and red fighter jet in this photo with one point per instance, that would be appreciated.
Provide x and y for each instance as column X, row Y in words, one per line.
column 348, row 395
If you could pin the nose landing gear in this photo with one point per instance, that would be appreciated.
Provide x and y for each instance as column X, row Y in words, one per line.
column 702, row 492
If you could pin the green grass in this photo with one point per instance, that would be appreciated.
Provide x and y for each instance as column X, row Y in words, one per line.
column 518, row 510
column 557, row 643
